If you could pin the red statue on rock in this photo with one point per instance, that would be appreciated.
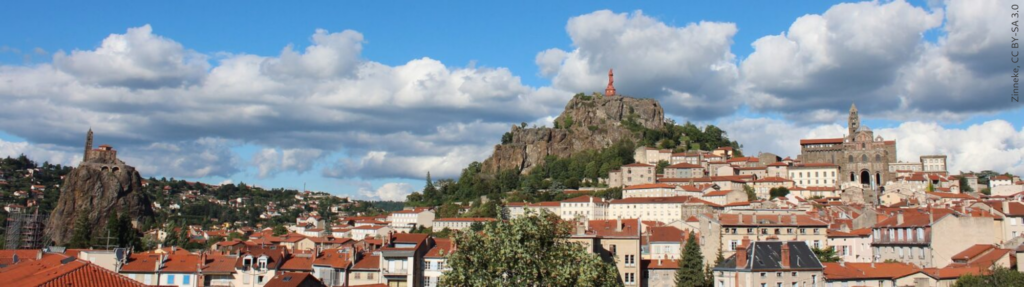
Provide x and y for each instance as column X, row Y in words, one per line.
column 610, row 90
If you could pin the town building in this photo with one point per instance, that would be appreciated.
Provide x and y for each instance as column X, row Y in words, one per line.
column 862, row 157
column 770, row 263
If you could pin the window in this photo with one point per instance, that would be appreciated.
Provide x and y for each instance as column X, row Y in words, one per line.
column 763, row 275
column 357, row 275
column 792, row 274
column 170, row 279
column 732, row 245
column 259, row 279
column 630, row 279
column 186, row 279
column 778, row 274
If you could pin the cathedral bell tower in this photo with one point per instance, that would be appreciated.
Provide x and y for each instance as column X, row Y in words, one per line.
column 854, row 122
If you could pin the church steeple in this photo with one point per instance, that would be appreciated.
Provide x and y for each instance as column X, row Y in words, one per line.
column 88, row 145
column 854, row 121
column 610, row 90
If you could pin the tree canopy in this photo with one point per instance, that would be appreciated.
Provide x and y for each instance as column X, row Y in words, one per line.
column 528, row 251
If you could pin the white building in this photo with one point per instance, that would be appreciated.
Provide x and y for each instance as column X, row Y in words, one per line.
column 814, row 174
column 406, row 220
column 588, row 207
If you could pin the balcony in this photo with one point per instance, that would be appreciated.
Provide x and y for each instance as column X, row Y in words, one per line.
column 395, row 272
column 906, row 241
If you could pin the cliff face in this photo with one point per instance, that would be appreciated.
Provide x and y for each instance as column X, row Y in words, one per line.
column 586, row 124
column 96, row 189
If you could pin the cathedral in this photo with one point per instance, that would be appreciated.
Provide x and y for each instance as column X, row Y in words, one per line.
column 861, row 156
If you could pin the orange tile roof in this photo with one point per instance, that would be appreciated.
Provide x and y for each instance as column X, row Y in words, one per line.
column 821, row 141
column 298, row 263
column 684, row 165
column 607, row 228
column 866, row 271
column 914, row 218
column 293, row 279
column 584, row 198
column 62, row 270
column 219, row 264
column 650, row 185
column 769, row 220
column 442, row 247
column 660, row 264
column 665, row 234
column 719, row 192
column 638, row 165
column 181, row 261
column 369, row 262
column 659, row 200
column 973, row 251
column 466, row 219
column 334, row 257
column 142, row 262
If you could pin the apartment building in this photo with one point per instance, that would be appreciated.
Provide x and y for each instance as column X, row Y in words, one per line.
column 761, row 226
column 929, row 237
column 770, row 263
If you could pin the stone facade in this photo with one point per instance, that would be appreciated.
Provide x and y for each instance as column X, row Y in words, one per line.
column 861, row 156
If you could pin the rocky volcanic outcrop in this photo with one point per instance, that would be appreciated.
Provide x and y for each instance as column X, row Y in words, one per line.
column 596, row 123
column 95, row 189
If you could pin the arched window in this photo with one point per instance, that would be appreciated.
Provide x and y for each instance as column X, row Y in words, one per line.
column 878, row 158
column 864, row 158
column 851, row 158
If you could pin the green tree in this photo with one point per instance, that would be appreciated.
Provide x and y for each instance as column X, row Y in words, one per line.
column 751, row 195
column 964, row 186
column 528, row 251
column 660, row 168
column 999, row 276
column 931, row 187
column 448, row 210
column 280, row 230
column 827, row 254
column 691, row 265
column 778, row 192
column 82, row 235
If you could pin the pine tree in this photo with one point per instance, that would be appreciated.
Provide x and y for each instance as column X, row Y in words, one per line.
column 691, row 265
column 82, row 234
column 429, row 191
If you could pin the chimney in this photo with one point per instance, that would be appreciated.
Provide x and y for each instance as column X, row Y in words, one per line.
column 741, row 217
column 618, row 224
column 1006, row 207
column 792, row 219
column 741, row 254
column 899, row 217
column 755, row 218
column 785, row 254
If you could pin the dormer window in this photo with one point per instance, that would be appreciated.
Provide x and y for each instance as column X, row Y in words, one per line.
column 246, row 262
column 262, row 263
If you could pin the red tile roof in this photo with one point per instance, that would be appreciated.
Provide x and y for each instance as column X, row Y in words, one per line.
column 62, row 270
column 293, row 279
column 369, row 262
column 770, row 220
column 334, row 257
column 821, row 141
column 868, row 271
column 660, row 264
column 684, row 165
column 662, row 200
column 442, row 247
column 650, row 185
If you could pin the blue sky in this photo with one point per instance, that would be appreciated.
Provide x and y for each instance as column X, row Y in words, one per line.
column 479, row 38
